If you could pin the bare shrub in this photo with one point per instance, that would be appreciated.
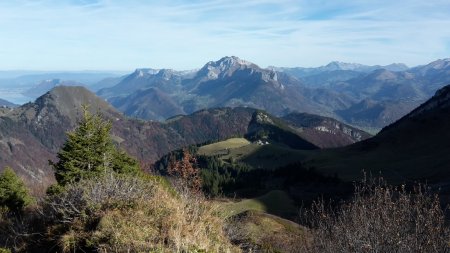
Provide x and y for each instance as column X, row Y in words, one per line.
column 86, row 197
column 18, row 231
column 380, row 218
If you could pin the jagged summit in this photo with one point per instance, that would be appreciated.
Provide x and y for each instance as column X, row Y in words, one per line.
column 229, row 61
column 144, row 72
column 226, row 66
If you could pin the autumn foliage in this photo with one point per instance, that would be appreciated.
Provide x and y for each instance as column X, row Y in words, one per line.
column 186, row 171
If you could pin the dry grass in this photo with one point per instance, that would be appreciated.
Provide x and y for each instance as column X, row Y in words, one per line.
column 260, row 232
column 183, row 224
column 222, row 146
column 124, row 214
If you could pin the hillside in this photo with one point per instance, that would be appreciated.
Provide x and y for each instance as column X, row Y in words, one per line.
column 414, row 147
column 42, row 125
column 31, row 134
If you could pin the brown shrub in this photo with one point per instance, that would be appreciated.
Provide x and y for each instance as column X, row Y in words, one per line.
column 380, row 218
column 186, row 172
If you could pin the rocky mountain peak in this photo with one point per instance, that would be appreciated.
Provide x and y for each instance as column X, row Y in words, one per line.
column 226, row 66
column 144, row 72
column 166, row 74
column 262, row 118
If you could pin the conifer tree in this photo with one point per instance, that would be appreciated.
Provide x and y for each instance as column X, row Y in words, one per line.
column 89, row 151
column 13, row 193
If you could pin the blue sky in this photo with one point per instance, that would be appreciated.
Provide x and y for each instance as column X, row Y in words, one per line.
column 183, row 34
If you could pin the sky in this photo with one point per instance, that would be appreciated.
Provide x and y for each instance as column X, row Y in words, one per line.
column 185, row 34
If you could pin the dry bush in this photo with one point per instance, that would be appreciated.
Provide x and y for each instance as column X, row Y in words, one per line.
column 81, row 200
column 18, row 231
column 380, row 218
column 126, row 214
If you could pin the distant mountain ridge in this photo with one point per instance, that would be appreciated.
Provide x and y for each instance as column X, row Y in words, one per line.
column 229, row 81
column 302, row 72
column 6, row 103
column 46, row 85
column 335, row 90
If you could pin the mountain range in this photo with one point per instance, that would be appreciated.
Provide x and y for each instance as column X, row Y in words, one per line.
column 368, row 97
column 413, row 147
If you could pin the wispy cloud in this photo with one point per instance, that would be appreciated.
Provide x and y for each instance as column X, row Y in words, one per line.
column 113, row 34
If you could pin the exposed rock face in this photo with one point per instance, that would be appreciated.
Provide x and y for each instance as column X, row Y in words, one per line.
column 325, row 132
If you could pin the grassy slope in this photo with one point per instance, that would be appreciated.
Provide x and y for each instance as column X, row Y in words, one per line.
column 262, row 232
column 222, row 146
column 274, row 202
column 269, row 156
column 257, row 223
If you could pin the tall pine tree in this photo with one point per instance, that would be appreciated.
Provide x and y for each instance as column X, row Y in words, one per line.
column 89, row 152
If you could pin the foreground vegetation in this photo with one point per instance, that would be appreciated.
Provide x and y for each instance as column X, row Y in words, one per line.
column 102, row 202
column 380, row 218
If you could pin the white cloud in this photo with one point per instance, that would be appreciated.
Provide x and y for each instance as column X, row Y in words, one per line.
column 108, row 34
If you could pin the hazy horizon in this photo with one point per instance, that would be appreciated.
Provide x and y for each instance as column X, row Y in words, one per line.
column 104, row 35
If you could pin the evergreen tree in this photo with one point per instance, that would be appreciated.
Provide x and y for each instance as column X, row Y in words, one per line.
column 13, row 193
column 89, row 151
